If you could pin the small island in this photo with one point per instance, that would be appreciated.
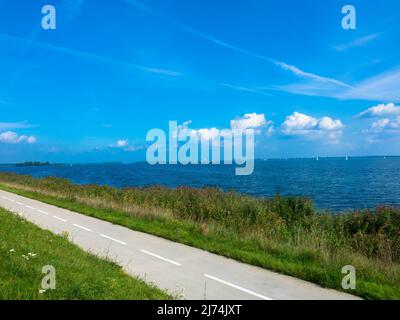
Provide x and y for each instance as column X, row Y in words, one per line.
column 32, row 164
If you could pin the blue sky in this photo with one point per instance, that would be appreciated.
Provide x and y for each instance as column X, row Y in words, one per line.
column 112, row 70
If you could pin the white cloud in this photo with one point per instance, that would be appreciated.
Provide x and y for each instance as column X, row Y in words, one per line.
column 388, row 124
column 13, row 138
column 380, row 124
column 209, row 133
column 203, row 133
column 124, row 145
column 387, row 120
column 327, row 123
column 31, row 139
column 299, row 124
column 248, row 121
column 381, row 110
column 382, row 128
column 121, row 143
column 270, row 129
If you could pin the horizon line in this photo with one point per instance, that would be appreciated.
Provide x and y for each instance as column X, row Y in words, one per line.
column 255, row 159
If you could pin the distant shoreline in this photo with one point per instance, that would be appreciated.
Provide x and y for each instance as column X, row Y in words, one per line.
column 48, row 163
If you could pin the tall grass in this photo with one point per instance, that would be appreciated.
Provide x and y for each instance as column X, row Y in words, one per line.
column 281, row 233
column 25, row 249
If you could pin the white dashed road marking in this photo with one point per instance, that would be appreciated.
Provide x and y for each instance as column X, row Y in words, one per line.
column 42, row 212
column 161, row 258
column 80, row 227
column 58, row 218
column 237, row 287
column 112, row 239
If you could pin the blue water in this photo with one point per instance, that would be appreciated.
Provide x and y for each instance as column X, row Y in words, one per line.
column 333, row 183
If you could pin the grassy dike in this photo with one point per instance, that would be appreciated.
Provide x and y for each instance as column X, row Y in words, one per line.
column 283, row 234
column 25, row 249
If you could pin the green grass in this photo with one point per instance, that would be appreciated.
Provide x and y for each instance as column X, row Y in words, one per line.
column 25, row 249
column 283, row 234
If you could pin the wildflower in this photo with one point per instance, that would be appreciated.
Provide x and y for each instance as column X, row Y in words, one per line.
column 12, row 250
column 25, row 257
column 42, row 291
column 31, row 254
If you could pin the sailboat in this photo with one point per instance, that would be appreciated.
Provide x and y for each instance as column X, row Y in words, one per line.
column 317, row 159
column 347, row 158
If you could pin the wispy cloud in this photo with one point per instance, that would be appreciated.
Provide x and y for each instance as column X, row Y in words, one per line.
column 16, row 125
column 241, row 88
column 300, row 73
column 285, row 66
column 86, row 55
column 309, row 88
column 359, row 42
column 117, row 62
column 383, row 87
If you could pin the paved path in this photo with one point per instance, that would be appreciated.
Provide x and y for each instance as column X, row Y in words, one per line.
column 183, row 270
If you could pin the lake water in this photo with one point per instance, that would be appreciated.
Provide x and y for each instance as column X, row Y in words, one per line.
column 333, row 183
